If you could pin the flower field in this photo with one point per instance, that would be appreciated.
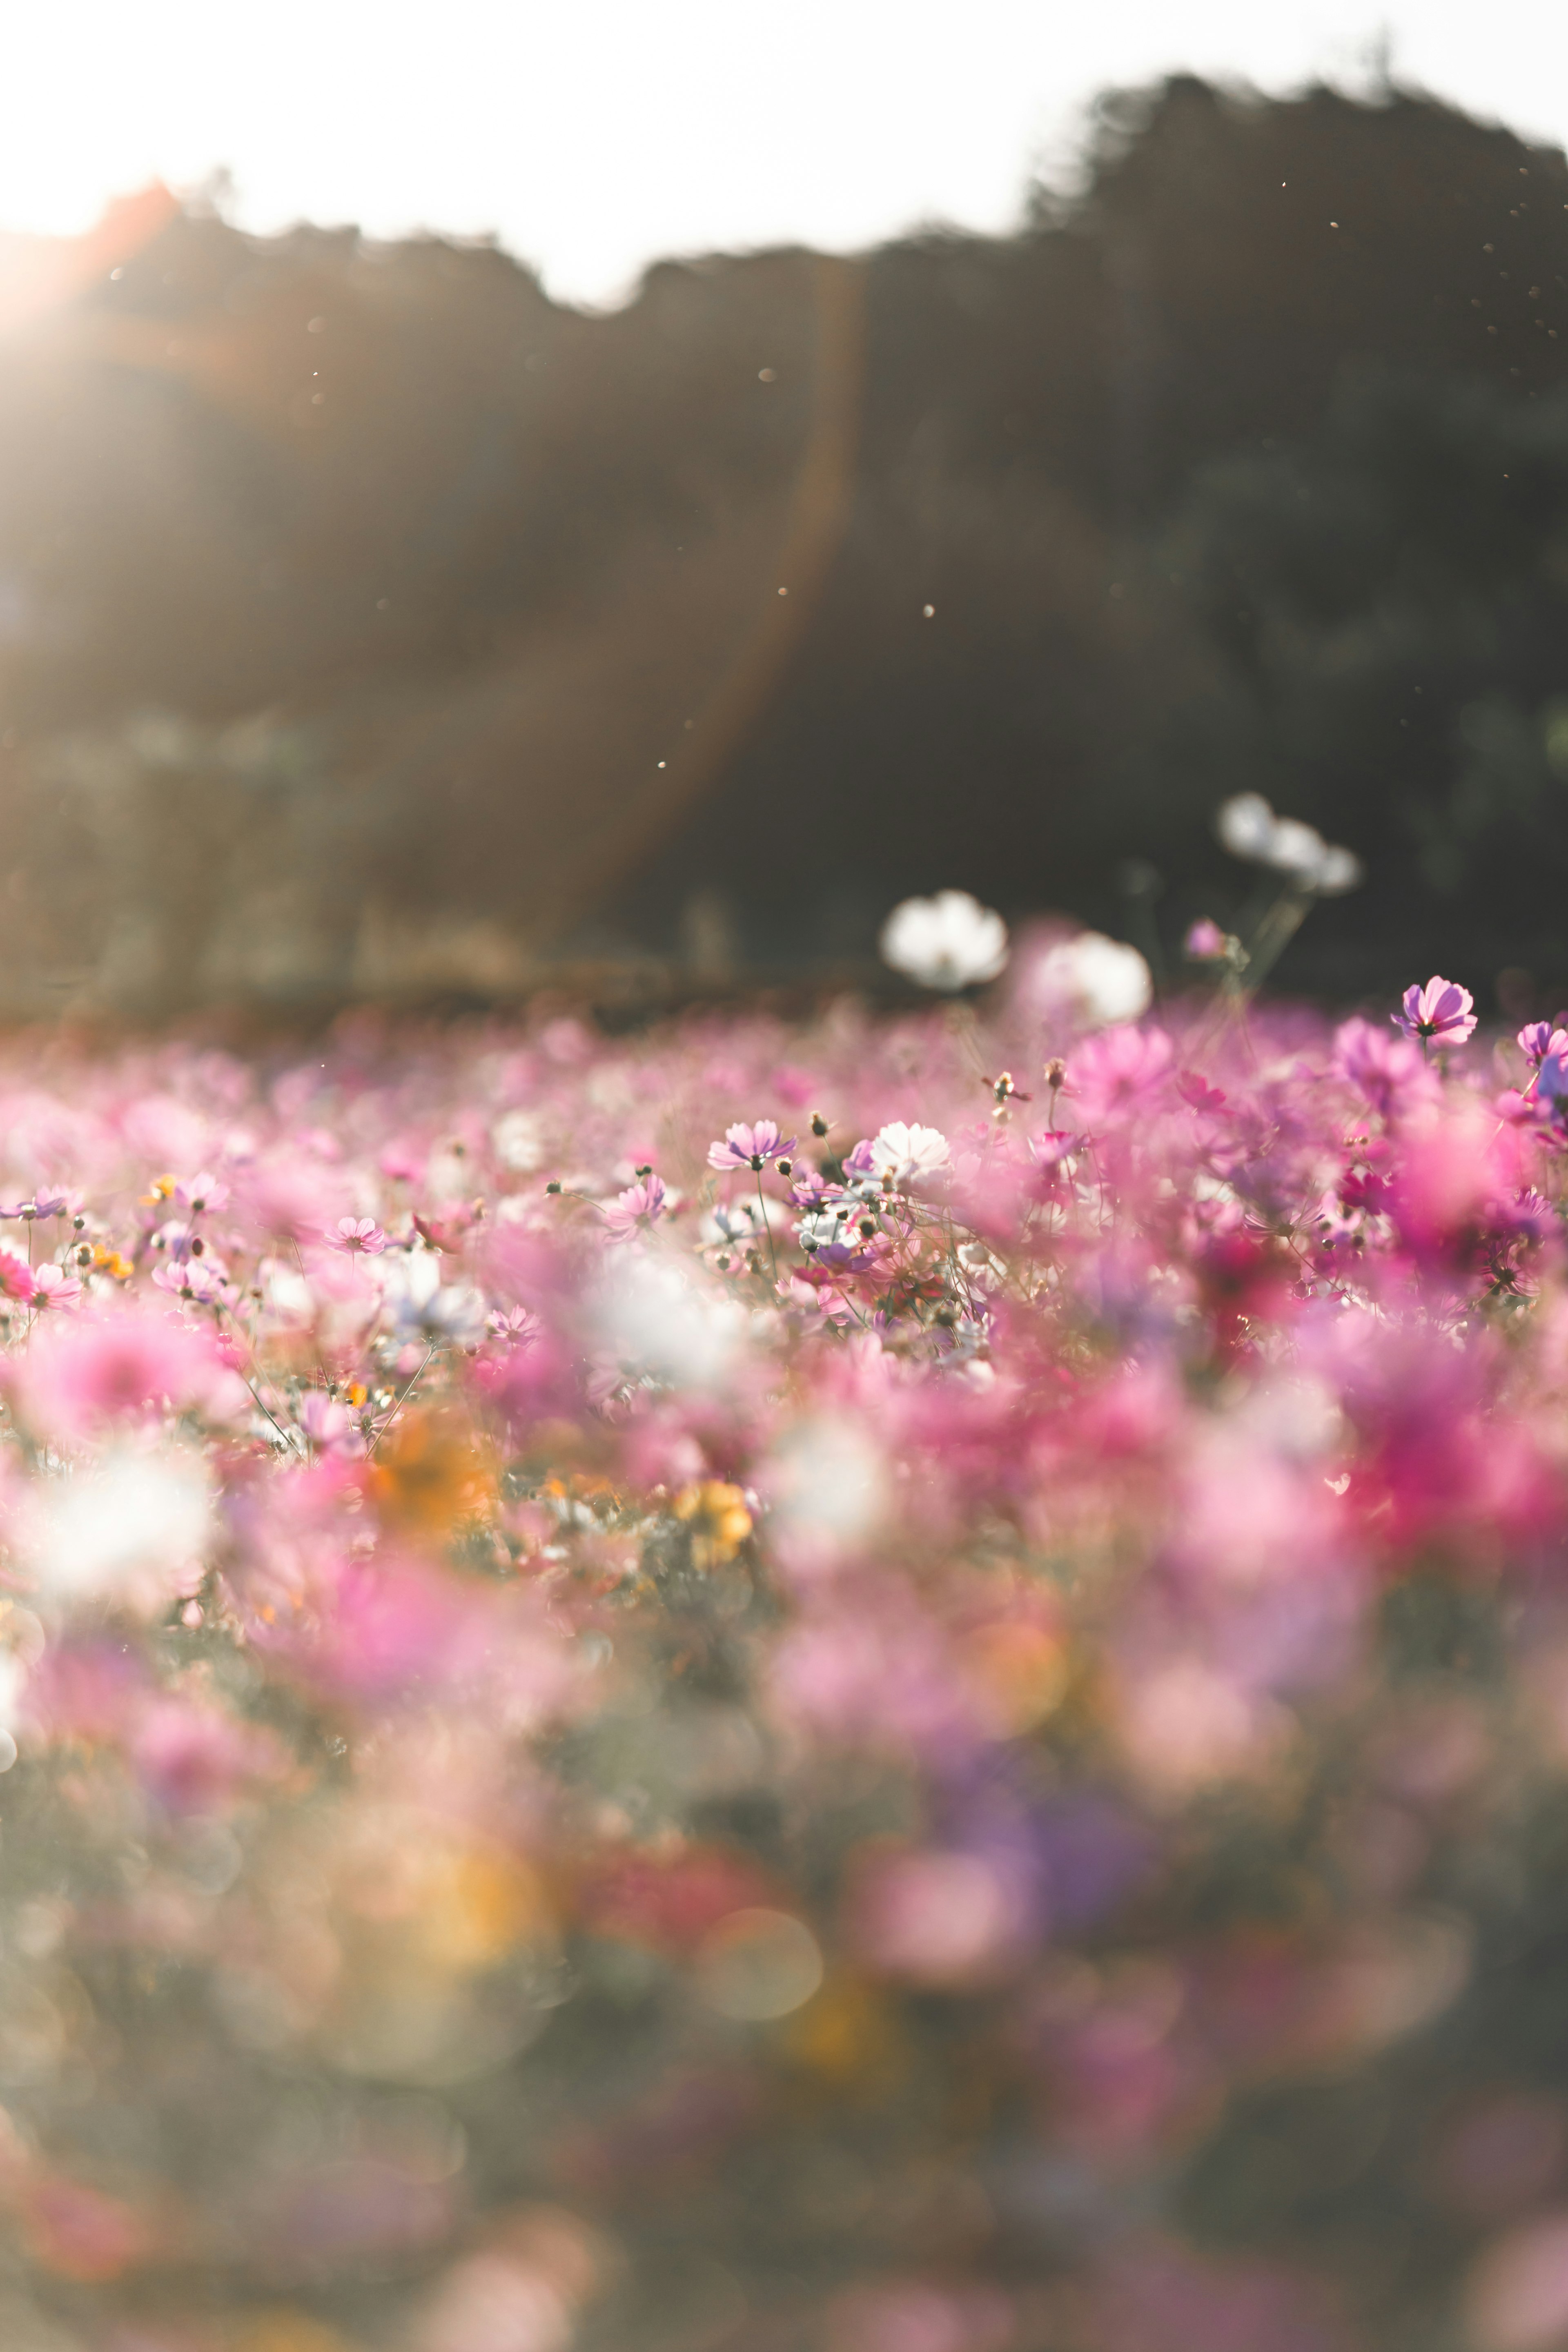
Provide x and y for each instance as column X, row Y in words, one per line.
column 895, row 1684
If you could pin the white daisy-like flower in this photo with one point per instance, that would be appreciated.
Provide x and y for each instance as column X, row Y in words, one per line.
column 910, row 1153
column 1245, row 826
column 1093, row 980
column 950, row 941
column 1248, row 828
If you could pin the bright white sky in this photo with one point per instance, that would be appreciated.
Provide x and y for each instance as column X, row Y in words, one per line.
column 594, row 136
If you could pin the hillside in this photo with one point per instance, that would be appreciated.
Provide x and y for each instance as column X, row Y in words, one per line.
column 371, row 624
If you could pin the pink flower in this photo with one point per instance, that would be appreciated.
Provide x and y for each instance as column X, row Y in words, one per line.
column 16, row 1275
column 53, row 1286
column 1196, row 1090
column 513, row 1326
column 1387, row 1070
column 636, row 1209
column 200, row 1279
column 1118, row 1070
column 750, row 1147
column 196, row 1760
column 201, row 1191
column 361, row 1236
column 1442, row 1010
column 1204, row 943
column 329, row 1425
column 116, row 1364
column 1538, row 1039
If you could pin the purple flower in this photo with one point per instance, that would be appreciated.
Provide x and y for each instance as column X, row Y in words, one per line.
column 1538, row 1039
column 1552, row 1080
column 1442, row 1010
column 637, row 1208
column 750, row 1147
column 51, row 1201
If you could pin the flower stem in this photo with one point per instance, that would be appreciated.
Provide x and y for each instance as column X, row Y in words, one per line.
column 767, row 1228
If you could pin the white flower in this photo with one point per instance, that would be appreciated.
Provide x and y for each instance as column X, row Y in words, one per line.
column 1295, row 847
column 1338, row 870
column 129, row 1528
column 1248, row 828
column 947, row 942
column 909, row 1152
column 424, row 1307
column 518, row 1141
column 828, row 1481
column 657, row 1319
column 1245, row 826
column 1093, row 980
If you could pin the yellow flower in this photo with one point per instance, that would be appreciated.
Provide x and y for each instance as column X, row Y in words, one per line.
column 718, row 1517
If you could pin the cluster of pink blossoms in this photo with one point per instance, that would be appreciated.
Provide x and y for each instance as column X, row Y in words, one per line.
column 747, row 1687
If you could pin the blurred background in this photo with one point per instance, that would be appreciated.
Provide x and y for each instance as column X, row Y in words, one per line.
column 630, row 493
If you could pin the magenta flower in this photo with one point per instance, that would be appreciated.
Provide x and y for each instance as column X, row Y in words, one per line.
column 636, row 1209
column 1387, row 1070
column 361, row 1236
column 1442, row 1010
column 1196, row 1090
column 1204, row 943
column 1118, row 1070
column 1538, row 1039
column 750, row 1147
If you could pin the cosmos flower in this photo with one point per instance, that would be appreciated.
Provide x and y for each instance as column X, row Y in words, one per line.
column 909, row 1154
column 1442, row 1011
column 54, row 1285
column 947, row 942
column 1248, row 828
column 358, row 1236
column 637, row 1210
column 203, row 1191
column 1091, row 980
column 1538, row 1039
column 199, row 1280
column 752, row 1147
